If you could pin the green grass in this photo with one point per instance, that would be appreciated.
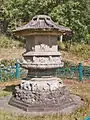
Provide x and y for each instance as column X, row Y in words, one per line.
column 4, row 93
column 81, row 89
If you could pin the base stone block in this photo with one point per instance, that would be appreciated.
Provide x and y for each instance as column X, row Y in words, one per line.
column 42, row 97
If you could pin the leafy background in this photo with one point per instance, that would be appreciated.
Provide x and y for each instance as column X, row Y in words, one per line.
column 74, row 14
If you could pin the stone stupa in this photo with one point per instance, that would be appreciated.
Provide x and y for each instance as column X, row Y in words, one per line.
column 42, row 91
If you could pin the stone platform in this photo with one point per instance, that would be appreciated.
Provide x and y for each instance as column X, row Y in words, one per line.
column 42, row 96
column 4, row 106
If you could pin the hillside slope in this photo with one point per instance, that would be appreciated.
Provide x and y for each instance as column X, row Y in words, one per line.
column 16, row 53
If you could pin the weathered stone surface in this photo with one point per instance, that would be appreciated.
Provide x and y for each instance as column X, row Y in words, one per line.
column 42, row 100
column 40, row 93
column 45, row 57
column 43, row 83
column 44, row 23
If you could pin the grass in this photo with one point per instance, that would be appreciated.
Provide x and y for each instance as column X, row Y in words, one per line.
column 81, row 89
column 78, row 53
column 4, row 93
column 7, row 87
column 10, row 53
column 81, row 50
column 6, row 42
column 10, row 49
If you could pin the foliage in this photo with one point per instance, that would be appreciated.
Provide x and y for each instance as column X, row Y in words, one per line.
column 6, row 62
column 21, row 11
column 6, row 42
column 81, row 50
column 72, row 14
column 88, row 39
column 61, row 45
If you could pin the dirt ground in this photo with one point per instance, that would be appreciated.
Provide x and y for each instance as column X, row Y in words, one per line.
column 9, row 54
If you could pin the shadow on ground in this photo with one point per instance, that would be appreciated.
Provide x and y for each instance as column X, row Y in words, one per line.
column 10, row 88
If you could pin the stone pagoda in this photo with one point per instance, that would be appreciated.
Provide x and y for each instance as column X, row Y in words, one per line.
column 42, row 91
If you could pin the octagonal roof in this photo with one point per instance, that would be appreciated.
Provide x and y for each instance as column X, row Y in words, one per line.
column 41, row 25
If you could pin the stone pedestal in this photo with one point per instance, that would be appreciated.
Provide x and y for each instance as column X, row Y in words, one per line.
column 42, row 94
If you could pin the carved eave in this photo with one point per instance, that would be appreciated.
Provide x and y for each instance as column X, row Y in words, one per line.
column 29, row 32
column 41, row 25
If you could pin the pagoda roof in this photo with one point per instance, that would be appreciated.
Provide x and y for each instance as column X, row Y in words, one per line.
column 41, row 24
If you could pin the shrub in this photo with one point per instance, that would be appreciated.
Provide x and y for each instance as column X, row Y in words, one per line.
column 61, row 45
column 6, row 42
column 81, row 50
column 8, row 62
